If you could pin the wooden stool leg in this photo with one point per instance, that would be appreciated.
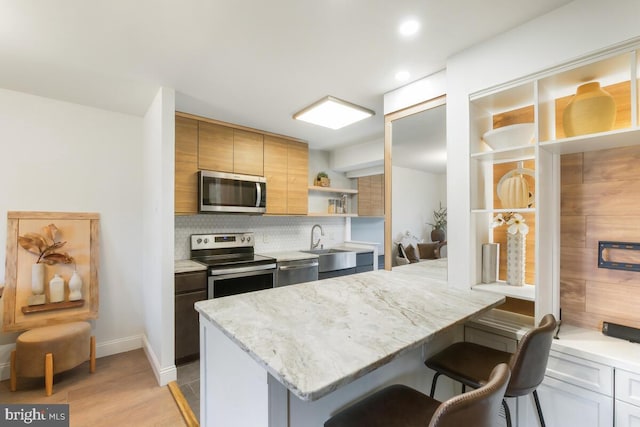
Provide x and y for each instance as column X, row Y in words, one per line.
column 92, row 355
column 14, row 378
column 48, row 374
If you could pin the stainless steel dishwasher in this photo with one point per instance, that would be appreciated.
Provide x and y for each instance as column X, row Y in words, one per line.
column 296, row 271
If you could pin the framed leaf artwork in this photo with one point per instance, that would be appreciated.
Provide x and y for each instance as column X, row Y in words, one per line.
column 51, row 271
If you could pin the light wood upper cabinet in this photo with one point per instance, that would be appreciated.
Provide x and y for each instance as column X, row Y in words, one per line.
column 275, row 171
column 215, row 147
column 371, row 195
column 248, row 157
column 286, row 168
column 186, row 166
column 297, row 179
column 205, row 144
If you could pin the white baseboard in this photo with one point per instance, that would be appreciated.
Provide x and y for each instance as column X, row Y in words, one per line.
column 120, row 345
column 163, row 375
column 104, row 348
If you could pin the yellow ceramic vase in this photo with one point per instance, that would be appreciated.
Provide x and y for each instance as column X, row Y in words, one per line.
column 591, row 110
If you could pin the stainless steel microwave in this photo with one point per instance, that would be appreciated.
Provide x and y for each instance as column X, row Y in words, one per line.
column 220, row 192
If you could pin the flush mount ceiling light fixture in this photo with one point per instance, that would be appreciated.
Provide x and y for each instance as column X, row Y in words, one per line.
column 333, row 113
column 409, row 27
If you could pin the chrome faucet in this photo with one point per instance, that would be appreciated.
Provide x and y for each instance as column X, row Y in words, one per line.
column 315, row 244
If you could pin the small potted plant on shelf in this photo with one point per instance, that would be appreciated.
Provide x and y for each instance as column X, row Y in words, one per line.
column 322, row 179
column 439, row 224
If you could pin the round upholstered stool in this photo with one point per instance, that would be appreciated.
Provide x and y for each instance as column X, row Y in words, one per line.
column 43, row 352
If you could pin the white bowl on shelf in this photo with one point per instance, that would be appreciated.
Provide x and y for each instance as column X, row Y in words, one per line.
column 510, row 136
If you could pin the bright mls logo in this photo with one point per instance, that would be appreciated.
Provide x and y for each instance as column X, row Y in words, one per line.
column 35, row 415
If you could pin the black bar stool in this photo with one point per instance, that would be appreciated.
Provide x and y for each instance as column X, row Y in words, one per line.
column 402, row 406
column 471, row 364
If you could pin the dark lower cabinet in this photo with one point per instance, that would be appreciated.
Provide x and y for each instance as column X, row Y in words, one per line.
column 364, row 262
column 189, row 288
column 336, row 273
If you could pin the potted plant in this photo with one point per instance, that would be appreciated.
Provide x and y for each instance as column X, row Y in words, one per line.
column 322, row 179
column 439, row 224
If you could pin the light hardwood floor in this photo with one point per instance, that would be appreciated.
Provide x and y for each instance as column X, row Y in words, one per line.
column 122, row 392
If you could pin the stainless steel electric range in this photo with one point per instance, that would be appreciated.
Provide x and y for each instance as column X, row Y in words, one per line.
column 232, row 265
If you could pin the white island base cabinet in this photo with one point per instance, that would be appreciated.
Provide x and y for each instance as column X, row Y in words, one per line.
column 236, row 391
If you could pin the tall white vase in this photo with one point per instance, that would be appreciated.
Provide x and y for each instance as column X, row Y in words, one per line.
column 515, row 258
column 37, row 278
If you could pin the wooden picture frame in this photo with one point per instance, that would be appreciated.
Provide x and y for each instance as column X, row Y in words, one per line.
column 81, row 233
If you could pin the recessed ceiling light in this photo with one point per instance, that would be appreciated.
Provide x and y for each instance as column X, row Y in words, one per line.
column 409, row 27
column 402, row 76
column 333, row 113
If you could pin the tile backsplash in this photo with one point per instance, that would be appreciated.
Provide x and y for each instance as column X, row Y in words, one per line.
column 272, row 233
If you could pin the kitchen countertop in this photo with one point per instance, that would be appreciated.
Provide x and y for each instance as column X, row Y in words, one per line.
column 320, row 335
column 187, row 265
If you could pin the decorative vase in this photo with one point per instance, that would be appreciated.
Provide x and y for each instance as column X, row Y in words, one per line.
column 515, row 258
column 323, row 182
column 490, row 262
column 591, row 110
column 437, row 235
column 37, row 278
column 75, row 287
column 37, row 284
column 514, row 192
column 56, row 289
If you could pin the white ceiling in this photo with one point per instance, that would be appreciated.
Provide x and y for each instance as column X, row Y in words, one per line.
column 251, row 62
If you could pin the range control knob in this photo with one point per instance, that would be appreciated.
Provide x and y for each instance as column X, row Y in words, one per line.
column 248, row 239
column 199, row 240
column 206, row 240
column 242, row 239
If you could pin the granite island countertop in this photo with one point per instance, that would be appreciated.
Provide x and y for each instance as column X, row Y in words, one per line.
column 318, row 336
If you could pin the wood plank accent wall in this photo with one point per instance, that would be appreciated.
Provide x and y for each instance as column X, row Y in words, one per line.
column 600, row 200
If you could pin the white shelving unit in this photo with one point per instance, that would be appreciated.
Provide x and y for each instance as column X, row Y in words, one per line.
column 326, row 191
column 541, row 99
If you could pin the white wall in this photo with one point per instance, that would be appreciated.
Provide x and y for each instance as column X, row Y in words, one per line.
column 157, row 256
column 58, row 156
column 367, row 155
column 416, row 195
column 581, row 27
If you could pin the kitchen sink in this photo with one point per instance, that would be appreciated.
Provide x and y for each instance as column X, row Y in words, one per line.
column 333, row 259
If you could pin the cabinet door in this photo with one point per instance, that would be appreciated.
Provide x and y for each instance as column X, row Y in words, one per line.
column 248, row 157
column 215, row 147
column 627, row 415
column 186, row 166
column 627, row 386
column 298, row 178
column 566, row 405
column 371, row 195
column 275, row 172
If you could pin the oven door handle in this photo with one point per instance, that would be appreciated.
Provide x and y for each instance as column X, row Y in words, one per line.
column 250, row 269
